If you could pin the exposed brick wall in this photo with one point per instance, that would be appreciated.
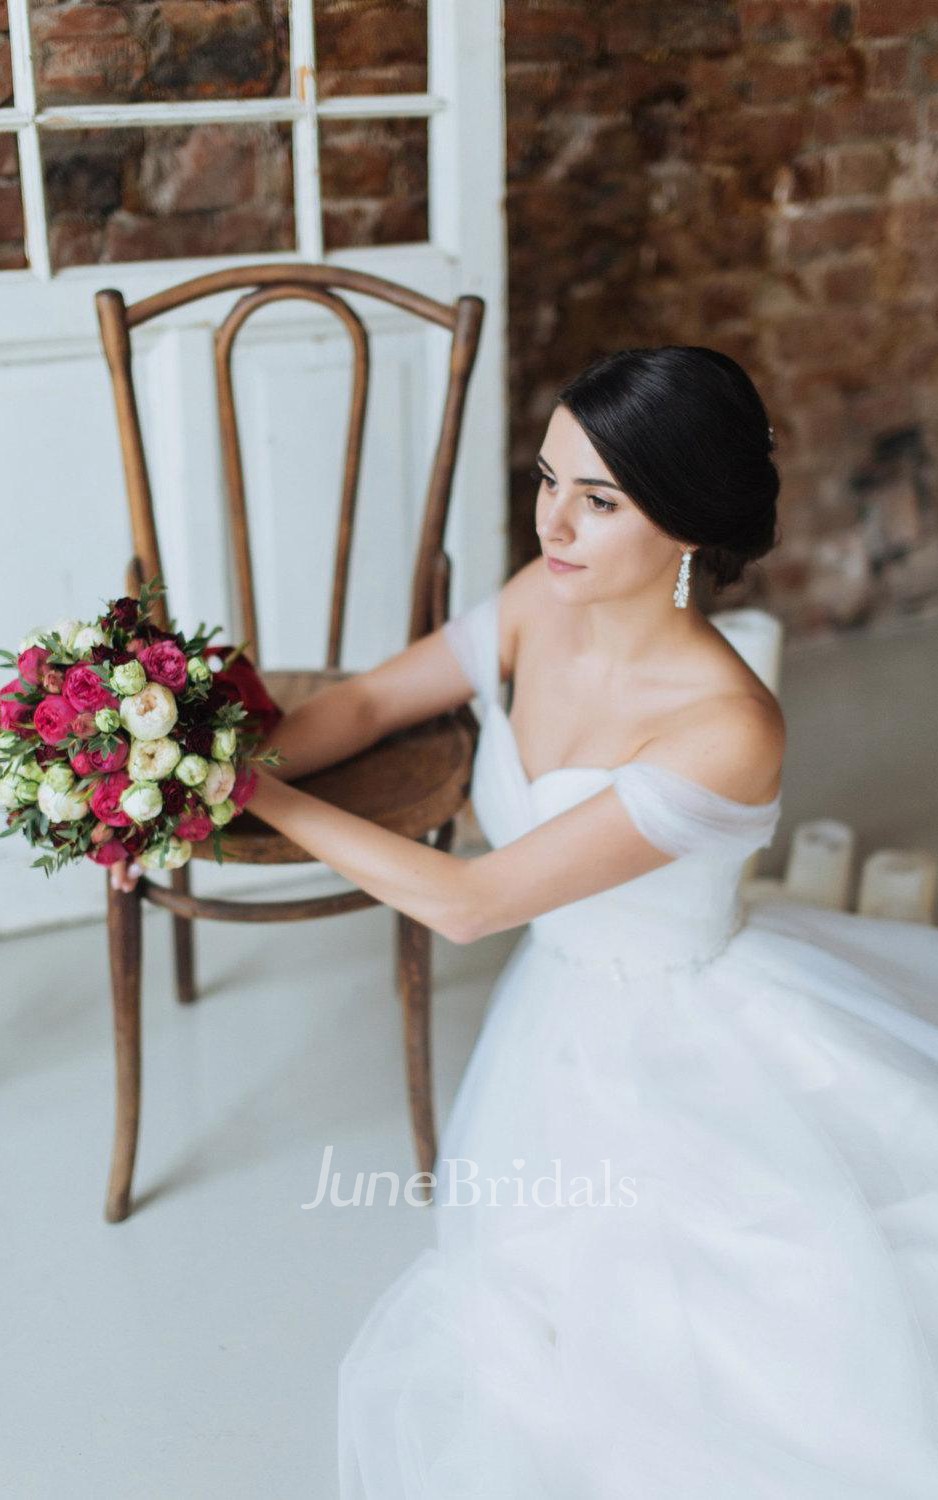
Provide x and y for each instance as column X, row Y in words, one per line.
column 760, row 176
column 756, row 175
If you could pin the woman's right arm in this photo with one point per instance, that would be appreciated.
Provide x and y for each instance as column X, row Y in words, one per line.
column 334, row 723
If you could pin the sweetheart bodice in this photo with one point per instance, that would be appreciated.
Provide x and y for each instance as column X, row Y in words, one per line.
column 678, row 914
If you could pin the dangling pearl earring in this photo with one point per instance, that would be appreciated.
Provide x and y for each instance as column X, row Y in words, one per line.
column 682, row 587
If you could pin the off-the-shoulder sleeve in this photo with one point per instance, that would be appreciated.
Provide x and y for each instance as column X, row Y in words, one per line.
column 473, row 638
column 680, row 816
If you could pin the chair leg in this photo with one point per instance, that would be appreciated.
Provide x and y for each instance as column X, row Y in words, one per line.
column 413, row 981
column 124, row 924
column 183, row 937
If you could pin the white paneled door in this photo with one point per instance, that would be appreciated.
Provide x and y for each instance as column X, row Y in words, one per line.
column 65, row 529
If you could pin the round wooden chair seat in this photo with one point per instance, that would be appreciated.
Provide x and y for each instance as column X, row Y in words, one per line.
column 411, row 782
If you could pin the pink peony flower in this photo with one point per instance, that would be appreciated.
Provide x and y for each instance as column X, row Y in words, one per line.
column 245, row 785
column 51, row 679
column 108, row 853
column 95, row 762
column 85, row 691
column 105, row 800
column 85, row 726
column 164, row 662
column 14, row 715
column 53, row 718
column 195, row 827
column 31, row 662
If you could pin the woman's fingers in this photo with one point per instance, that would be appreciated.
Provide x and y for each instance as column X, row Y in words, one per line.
column 124, row 876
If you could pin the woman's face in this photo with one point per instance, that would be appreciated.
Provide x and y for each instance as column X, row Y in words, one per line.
column 595, row 525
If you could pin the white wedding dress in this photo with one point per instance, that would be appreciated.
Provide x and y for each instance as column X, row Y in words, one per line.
column 756, row 1316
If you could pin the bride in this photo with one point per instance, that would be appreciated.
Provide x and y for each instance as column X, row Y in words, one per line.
column 686, row 1198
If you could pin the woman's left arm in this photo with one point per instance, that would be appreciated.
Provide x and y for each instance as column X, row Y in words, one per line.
column 427, row 884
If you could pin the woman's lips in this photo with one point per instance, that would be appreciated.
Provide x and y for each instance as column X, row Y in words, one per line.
column 556, row 566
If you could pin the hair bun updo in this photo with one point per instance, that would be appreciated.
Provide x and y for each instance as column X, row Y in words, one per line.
column 684, row 431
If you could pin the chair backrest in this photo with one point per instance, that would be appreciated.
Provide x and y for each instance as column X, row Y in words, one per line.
column 757, row 636
column 430, row 580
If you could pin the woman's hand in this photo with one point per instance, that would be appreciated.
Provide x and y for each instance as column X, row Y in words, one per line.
column 124, row 875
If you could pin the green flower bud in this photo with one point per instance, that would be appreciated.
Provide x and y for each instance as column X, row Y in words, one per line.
column 177, row 853
column 108, row 720
column 224, row 743
column 222, row 812
column 199, row 670
column 128, row 677
column 60, row 777
column 192, row 769
column 27, row 790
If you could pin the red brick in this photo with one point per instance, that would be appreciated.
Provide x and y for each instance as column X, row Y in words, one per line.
column 893, row 18
column 818, row 231
column 847, row 281
column 681, row 26
column 6, row 72
column 838, row 120
column 563, row 35
column 888, row 65
column 11, row 211
column 858, row 169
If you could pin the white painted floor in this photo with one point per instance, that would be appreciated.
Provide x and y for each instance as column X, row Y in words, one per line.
column 191, row 1351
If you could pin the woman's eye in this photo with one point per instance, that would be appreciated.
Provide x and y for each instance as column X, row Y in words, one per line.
column 542, row 478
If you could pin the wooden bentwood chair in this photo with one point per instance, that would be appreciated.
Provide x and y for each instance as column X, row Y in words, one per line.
column 413, row 781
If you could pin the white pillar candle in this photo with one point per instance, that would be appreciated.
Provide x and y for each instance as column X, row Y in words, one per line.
column 819, row 863
column 899, row 883
column 763, row 888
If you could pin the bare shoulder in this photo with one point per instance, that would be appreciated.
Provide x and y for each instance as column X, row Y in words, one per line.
column 519, row 596
column 733, row 743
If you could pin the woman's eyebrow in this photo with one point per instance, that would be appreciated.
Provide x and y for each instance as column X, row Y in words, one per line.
column 605, row 483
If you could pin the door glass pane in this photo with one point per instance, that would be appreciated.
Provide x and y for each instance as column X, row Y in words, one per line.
column 365, row 47
column 6, row 66
column 12, row 239
column 374, row 182
column 164, row 192
column 92, row 53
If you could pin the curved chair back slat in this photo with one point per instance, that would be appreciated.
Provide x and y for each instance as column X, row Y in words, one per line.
column 268, row 284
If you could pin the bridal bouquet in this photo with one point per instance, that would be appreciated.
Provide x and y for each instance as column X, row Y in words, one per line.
column 119, row 740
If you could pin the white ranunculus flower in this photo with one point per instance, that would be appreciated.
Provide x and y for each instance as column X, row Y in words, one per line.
column 222, row 812
column 88, row 636
column 198, row 669
column 108, row 720
column 67, row 630
column 224, row 743
column 27, row 790
column 128, row 677
column 151, row 760
column 192, row 769
column 151, row 713
column 32, row 770
column 60, row 807
column 60, row 777
column 178, row 852
column 218, row 782
column 142, row 800
column 9, row 796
